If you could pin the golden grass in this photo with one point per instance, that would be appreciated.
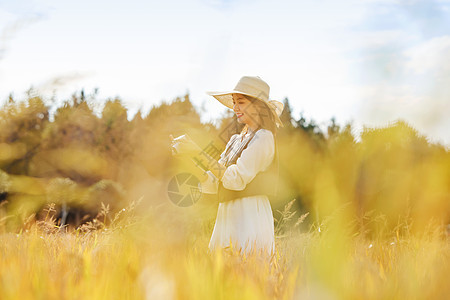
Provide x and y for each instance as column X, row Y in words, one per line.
column 141, row 258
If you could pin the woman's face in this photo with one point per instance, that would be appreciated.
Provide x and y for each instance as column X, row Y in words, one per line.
column 245, row 111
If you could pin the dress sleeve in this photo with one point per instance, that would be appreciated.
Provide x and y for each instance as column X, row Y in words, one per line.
column 255, row 158
column 211, row 184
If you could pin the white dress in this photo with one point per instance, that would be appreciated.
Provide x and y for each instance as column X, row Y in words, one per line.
column 245, row 222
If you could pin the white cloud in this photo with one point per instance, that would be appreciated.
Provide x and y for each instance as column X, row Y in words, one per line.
column 421, row 96
column 432, row 56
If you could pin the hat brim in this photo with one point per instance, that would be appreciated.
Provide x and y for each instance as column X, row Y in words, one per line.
column 226, row 98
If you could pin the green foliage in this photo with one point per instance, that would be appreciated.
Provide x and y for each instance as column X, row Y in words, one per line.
column 21, row 127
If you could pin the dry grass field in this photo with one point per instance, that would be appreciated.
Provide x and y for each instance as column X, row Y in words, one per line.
column 144, row 257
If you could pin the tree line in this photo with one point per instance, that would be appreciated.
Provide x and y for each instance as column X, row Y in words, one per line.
column 79, row 159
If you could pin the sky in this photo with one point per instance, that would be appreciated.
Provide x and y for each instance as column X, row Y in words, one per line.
column 368, row 62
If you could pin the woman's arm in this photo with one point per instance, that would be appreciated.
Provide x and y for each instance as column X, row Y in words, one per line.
column 202, row 160
column 254, row 159
column 212, row 165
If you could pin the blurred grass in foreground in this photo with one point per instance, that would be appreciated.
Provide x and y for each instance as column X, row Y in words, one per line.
column 151, row 257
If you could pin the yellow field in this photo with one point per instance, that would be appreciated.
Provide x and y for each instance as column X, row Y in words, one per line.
column 370, row 221
column 145, row 258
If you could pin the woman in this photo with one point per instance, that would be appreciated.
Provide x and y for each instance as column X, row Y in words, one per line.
column 246, row 174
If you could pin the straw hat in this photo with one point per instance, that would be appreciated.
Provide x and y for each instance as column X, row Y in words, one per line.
column 255, row 87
